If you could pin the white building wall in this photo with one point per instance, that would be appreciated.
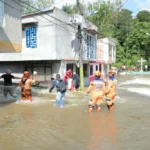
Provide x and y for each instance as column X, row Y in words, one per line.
column 56, row 69
column 46, row 41
column 105, row 50
column 66, row 44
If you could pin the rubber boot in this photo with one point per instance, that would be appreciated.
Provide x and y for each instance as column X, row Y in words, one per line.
column 111, row 107
column 98, row 109
column 90, row 110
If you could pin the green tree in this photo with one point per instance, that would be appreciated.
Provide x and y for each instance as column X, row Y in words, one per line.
column 69, row 9
column 26, row 6
column 43, row 4
column 72, row 9
column 103, row 18
column 39, row 5
column 139, row 41
column 143, row 16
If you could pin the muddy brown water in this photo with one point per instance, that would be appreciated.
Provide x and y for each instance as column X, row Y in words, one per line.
column 42, row 126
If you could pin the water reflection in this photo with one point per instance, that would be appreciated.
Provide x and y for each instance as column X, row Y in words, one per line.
column 102, row 128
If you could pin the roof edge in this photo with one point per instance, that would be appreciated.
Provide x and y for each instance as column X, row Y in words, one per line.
column 38, row 13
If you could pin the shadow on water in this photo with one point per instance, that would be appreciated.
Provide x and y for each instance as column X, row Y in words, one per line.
column 6, row 102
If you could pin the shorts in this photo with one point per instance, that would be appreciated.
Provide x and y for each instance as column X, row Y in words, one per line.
column 26, row 94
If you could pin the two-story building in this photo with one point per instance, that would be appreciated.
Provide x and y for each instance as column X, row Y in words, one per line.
column 105, row 56
column 50, row 45
column 10, row 26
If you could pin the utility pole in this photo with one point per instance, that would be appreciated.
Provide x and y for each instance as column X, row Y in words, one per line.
column 79, row 36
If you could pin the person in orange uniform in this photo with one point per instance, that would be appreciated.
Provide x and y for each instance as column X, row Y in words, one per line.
column 25, row 85
column 97, row 87
column 111, row 89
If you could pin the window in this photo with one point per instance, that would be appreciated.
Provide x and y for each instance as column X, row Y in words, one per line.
column 31, row 37
column 1, row 12
column 90, row 47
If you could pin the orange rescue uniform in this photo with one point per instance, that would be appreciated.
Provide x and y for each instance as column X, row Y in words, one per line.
column 97, row 87
column 110, row 89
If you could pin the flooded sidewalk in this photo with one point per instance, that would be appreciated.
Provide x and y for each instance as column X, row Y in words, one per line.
column 41, row 126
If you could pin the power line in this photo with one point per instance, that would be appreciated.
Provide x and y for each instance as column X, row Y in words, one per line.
column 46, row 13
column 16, row 8
column 32, row 16
column 10, row 5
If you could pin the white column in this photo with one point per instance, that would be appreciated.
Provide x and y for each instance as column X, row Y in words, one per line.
column 141, row 64
column 103, row 71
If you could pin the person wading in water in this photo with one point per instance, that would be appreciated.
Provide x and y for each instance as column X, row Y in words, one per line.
column 25, row 85
column 8, row 83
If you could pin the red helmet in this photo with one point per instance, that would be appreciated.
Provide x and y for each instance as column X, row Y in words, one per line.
column 26, row 74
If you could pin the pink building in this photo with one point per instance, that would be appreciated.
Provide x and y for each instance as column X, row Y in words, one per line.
column 105, row 56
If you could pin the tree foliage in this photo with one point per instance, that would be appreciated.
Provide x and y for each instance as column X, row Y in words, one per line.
column 69, row 9
column 129, row 32
column 143, row 16
column 38, row 4
column 72, row 9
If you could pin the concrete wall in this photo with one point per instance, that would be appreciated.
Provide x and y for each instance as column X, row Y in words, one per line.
column 10, row 33
column 56, row 69
column 55, row 39
column 105, row 69
column 106, row 47
column 99, row 51
column 46, row 38
column 67, row 46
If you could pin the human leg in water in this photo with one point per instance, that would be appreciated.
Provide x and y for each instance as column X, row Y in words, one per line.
column 5, row 92
column 92, row 103
column 26, row 95
column 62, row 101
column 10, row 90
column 110, row 103
column 99, row 101
column 58, row 98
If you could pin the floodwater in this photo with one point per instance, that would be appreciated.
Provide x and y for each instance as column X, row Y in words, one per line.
column 41, row 126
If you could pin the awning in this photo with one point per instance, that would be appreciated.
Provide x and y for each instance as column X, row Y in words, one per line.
column 98, row 62
column 90, row 30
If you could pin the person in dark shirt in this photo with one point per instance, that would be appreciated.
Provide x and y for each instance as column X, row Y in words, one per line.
column 8, row 83
column 76, row 80
column 60, row 96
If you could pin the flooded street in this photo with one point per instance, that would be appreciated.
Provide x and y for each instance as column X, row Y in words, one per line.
column 42, row 126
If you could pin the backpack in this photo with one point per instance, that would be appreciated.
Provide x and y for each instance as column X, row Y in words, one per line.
column 62, row 86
